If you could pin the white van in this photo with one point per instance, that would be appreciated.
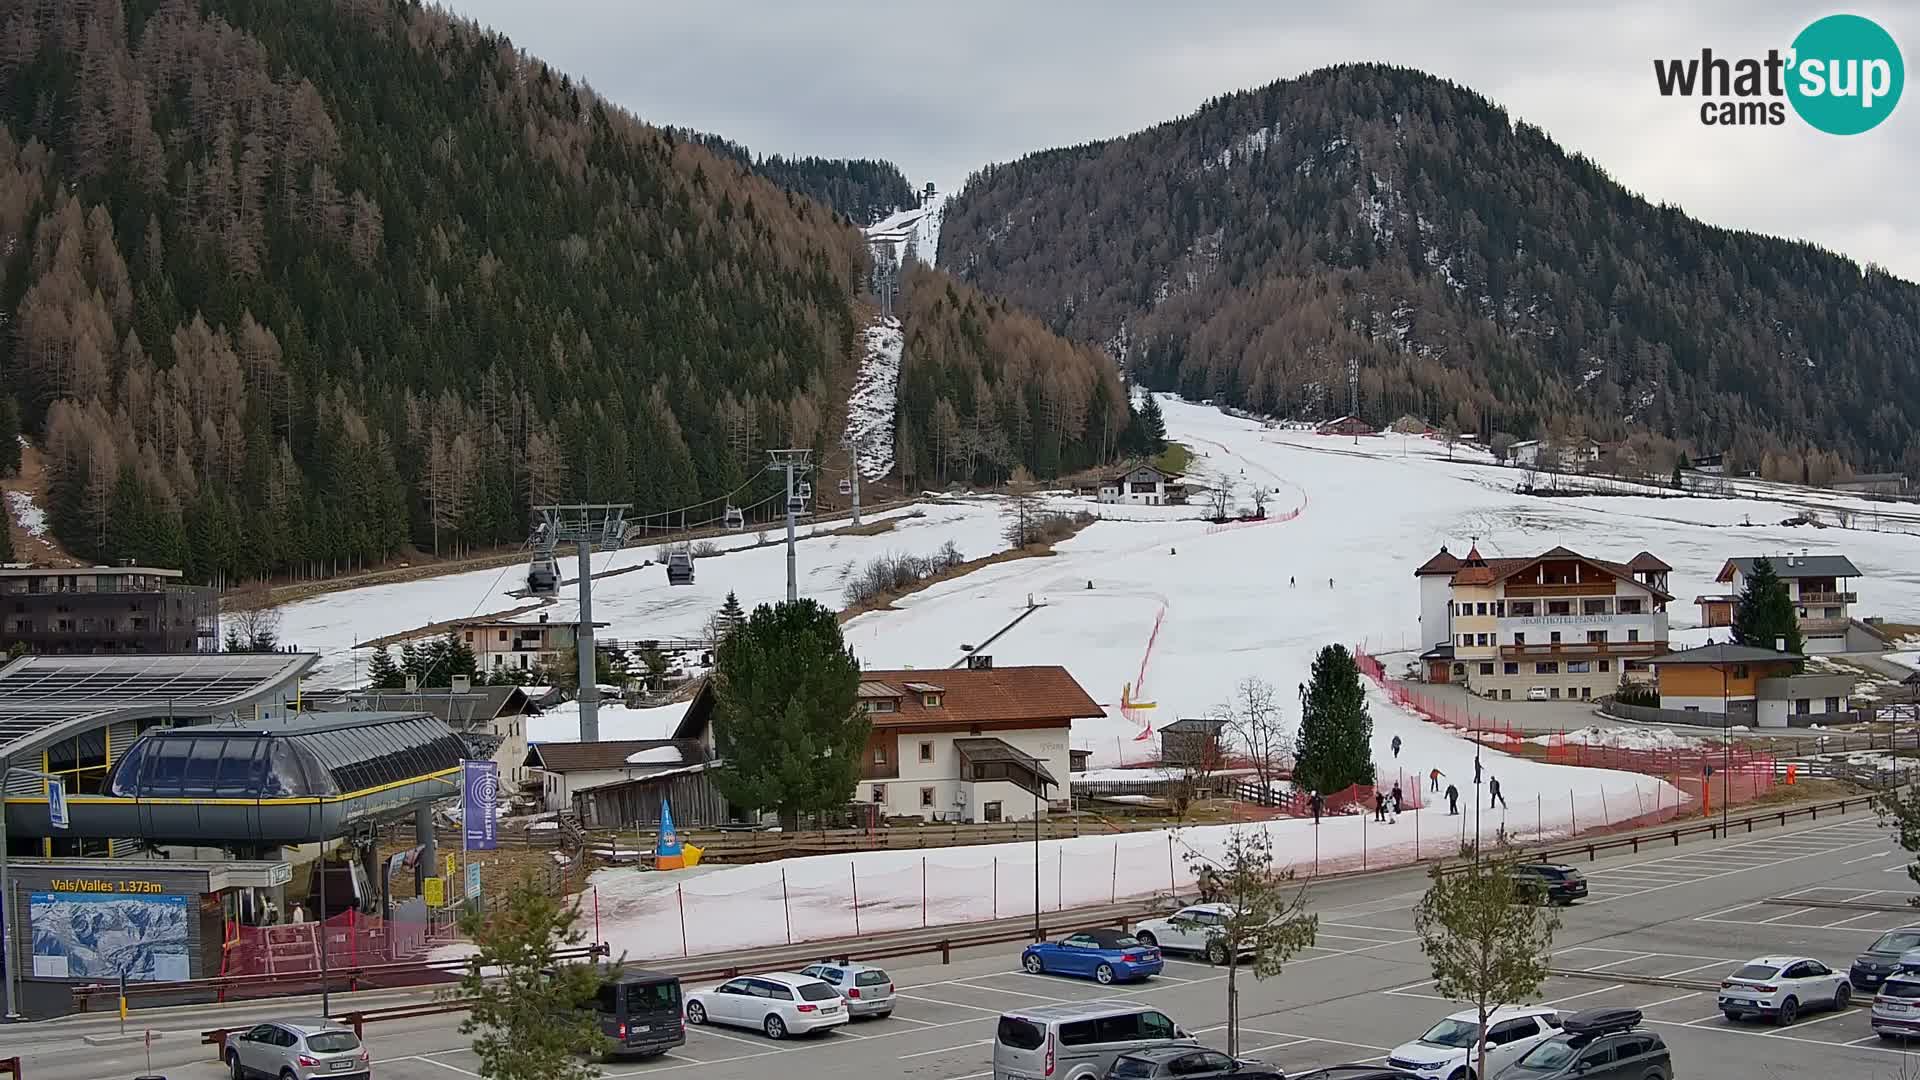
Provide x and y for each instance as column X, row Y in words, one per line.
column 1079, row 1041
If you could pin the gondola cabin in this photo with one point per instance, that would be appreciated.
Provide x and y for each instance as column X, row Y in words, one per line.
column 543, row 577
column 680, row 568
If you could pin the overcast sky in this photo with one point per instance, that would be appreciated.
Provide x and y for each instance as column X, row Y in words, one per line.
column 942, row 89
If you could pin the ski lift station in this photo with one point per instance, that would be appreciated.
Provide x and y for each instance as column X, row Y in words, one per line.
column 199, row 797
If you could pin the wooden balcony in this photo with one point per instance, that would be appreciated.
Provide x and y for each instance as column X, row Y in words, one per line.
column 1565, row 588
column 1828, row 598
column 1577, row 650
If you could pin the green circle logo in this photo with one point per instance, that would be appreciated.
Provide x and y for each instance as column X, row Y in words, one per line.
column 1846, row 75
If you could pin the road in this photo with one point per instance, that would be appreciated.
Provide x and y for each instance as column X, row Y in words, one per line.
column 1695, row 911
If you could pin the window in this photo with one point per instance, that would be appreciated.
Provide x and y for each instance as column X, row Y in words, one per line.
column 1633, row 635
column 1546, row 667
column 926, row 751
column 1500, row 608
column 879, row 754
column 1833, row 704
column 879, row 793
column 1553, row 693
column 1512, row 1031
column 1466, row 640
column 926, row 796
column 1020, row 1034
column 469, row 637
column 1593, row 607
column 1597, row 637
column 1480, row 639
column 1739, row 671
column 1519, row 638
column 1596, row 1056
column 1629, row 605
column 1803, row 706
column 503, row 636
column 1486, row 669
column 1506, row 695
column 1480, row 609
column 1554, row 637
column 1523, row 609
column 1692, row 708
column 1586, row 693
column 1510, row 668
column 1830, row 613
column 931, row 701
column 1579, row 667
column 879, row 704
column 1559, row 607
column 1606, row 666
column 990, row 812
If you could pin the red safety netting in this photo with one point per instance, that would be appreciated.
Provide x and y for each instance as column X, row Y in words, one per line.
column 351, row 940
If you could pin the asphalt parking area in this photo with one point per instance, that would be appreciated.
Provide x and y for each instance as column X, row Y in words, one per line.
column 1691, row 866
column 1821, row 915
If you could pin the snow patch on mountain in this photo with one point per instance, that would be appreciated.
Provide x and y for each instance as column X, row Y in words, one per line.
column 913, row 233
column 28, row 513
column 870, row 409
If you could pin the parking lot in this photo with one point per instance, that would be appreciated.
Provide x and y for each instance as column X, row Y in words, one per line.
column 1696, row 912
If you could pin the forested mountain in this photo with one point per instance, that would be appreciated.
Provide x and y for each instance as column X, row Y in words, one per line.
column 1475, row 271
column 861, row 189
column 293, row 286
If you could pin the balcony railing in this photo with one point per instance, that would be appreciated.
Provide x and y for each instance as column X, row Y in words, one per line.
column 1564, row 588
column 1829, row 598
column 1582, row 648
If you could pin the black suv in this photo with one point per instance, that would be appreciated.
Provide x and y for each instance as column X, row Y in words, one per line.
column 1560, row 884
column 1597, row 1044
column 1882, row 958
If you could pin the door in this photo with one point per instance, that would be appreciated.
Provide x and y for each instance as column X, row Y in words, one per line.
column 1509, row 1039
column 1078, row 955
column 768, row 997
column 255, row 1048
column 1205, row 1063
column 729, row 1003
column 1184, row 930
column 1597, row 1061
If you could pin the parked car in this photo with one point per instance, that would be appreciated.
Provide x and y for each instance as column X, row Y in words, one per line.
column 1560, row 884
column 1078, row 1041
column 297, row 1049
column 1880, row 959
column 867, row 990
column 1195, row 1061
column 1597, row 1044
column 639, row 1013
column 1193, row 929
column 1356, row 1072
column 1782, row 987
column 1537, row 693
column 1896, row 1008
column 1450, row 1049
column 780, row 1003
column 1105, row 956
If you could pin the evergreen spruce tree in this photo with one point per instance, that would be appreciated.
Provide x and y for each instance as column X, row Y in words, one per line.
column 1764, row 614
column 6, row 536
column 1334, row 748
column 785, row 719
column 383, row 673
column 1153, row 427
column 731, row 616
column 9, row 437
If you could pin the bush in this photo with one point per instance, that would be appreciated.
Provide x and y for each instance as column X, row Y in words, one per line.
column 705, row 549
column 896, row 573
column 1637, row 693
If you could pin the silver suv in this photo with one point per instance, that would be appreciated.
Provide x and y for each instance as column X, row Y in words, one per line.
column 297, row 1050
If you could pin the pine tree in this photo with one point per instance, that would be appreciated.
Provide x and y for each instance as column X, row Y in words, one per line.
column 1334, row 748
column 785, row 721
column 9, row 436
column 383, row 673
column 730, row 617
column 1153, row 427
column 1764, row 615
column 529, row 1018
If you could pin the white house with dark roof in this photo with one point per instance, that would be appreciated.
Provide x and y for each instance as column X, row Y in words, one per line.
column 1820, row 586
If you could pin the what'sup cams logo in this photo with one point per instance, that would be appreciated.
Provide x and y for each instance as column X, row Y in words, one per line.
column 1843, row 75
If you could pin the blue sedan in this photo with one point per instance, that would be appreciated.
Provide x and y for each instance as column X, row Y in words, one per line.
column 1105, row 956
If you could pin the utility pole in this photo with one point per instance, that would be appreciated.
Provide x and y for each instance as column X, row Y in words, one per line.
column 789, row 462
column 1353, row 389
column 853, row 470
column 591, row 526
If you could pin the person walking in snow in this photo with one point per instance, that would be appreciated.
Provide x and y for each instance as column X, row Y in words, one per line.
column 1433, row 780
column 1493, row 793
column 1379, row 806
column 1290, row 582
column 1453, row 801
column 1396, row 746
column 1317, row 803
column 1329, row 583
column 1398, row 798
column 1476, row 770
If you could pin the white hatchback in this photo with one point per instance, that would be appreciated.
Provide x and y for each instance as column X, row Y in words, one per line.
column 1780, row 988
column 779, row 1003
column 1450, row 1049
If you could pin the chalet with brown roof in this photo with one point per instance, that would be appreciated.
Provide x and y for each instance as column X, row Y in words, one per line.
column 565, row 769
column 977, row 744
column 1560, row 622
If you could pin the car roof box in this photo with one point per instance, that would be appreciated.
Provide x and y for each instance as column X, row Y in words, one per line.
column 1601, row 1021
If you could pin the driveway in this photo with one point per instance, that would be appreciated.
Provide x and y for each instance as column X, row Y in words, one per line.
column 1532, row 716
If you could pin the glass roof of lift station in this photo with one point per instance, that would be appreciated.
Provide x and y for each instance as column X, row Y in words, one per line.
column 309, row 754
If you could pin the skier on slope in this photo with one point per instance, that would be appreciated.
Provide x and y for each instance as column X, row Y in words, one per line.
column 1433, row 780
column 1453, row 800
column 1396, row 748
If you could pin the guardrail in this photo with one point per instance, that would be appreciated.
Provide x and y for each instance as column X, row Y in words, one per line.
column 343, row 979
column 1711, row 828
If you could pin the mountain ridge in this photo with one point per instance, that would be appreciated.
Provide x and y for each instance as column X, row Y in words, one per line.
column 1476, row 272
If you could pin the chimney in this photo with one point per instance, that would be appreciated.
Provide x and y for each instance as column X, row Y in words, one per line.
column 1779, row 644
column 461, row 684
